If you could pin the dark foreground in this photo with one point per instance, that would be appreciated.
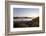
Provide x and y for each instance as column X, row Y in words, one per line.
column 33, row 23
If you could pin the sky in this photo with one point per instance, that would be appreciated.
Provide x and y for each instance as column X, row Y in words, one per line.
column 25, row 12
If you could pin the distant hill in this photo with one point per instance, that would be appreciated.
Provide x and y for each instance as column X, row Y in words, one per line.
column 22, row 17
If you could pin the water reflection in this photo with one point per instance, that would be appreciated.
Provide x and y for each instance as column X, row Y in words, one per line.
column 24, row 19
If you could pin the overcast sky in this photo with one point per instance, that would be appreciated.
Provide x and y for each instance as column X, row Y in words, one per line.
column 25, row 12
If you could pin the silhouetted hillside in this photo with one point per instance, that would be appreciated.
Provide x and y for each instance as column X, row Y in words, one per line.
column 34, row 22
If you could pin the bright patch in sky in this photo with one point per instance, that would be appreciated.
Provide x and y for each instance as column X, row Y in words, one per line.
column 25, row 12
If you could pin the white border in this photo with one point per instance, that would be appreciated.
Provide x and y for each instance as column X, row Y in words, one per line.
column 29, row 28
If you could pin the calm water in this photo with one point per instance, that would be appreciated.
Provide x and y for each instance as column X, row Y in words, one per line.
column 24, row 19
